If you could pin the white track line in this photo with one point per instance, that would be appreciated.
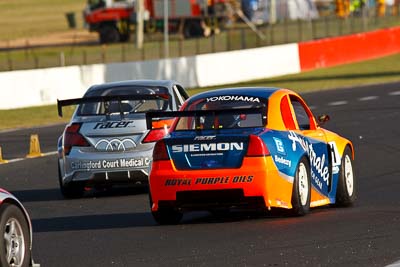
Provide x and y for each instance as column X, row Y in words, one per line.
column 368, row 98
column 338, row 103
column 21, row 159
column 394, row 264
column 395, row 93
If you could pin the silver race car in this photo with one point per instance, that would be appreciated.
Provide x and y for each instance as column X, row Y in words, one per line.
column 107, row 142
column 15, row 232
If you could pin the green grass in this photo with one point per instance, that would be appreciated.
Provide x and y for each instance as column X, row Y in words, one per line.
column 28, row 18
column 381, row 70
column 33, row 116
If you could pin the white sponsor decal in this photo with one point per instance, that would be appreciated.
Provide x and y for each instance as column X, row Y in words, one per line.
column 110, row 164
column 283, row 161
column 115, row 144
column 205, row 137
column 279, row 146
column 114, row 124
column 317, row 162
column 206, row 147
column 336, row 159
column 233, row 98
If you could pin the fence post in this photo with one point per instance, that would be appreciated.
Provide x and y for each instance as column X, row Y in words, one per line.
column 160, row 50
column 228, row 40
column 341, row 26
column 36, row 60
column 197, row 43
column 10, row 62
column 272, row 34
column 123, row 53
column 180, row 46
column 258, row 41
column 327, row 33
column 243, row 38
column 26, row 50
column 285, row 24
column 313, row 29
column 365, row 16
column 213, row 43
column 84, row 56
column 299, row 30
column 351, row 18
column 103, row 53
column 143, row 54
column 62, row 59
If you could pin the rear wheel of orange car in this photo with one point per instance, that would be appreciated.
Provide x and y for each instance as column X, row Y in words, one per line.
column 346, row 194
column 165, row 215
column 301, row 193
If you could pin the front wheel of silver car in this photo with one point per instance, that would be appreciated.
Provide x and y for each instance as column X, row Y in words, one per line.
column 71, row 190
column 15, row 237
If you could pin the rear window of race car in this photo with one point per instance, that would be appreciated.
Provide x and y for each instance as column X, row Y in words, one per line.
column 127, row 106
column 225, row 121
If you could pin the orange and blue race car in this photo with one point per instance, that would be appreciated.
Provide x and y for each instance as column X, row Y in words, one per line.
column 251, row 148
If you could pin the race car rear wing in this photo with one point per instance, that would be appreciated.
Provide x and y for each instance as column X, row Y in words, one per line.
column 197, row 113
column 99, row 99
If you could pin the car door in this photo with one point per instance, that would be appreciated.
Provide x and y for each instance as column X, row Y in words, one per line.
column 316, row 144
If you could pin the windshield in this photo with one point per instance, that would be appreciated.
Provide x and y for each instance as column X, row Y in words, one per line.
column 126, row 106
column 225, row 120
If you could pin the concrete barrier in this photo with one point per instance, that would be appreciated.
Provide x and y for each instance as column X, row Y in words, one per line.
column 347, row 49
column 246, row 65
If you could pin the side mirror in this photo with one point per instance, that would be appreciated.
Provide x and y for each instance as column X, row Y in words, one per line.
column 322, row 119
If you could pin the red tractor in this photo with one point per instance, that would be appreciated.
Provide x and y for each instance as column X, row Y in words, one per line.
column 115, row 20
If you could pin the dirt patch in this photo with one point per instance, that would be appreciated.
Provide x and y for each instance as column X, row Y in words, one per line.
column 60, row 38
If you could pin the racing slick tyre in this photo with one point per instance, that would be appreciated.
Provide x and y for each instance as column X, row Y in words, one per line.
column 71, row 190
column 192, row 28
column 301, row 193
column 15, row 237
column 346, row 194
column 165, row 216
column 109, row 34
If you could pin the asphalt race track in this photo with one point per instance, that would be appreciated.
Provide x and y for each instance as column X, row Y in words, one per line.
column 115, row 228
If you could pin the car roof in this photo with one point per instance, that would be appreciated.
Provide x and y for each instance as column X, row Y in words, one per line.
column 163, row 83
column 264, row 92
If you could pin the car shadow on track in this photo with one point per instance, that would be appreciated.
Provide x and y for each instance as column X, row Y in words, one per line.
column 36, row 195
column 53, row 194
column 93, row 222
column 145, row 219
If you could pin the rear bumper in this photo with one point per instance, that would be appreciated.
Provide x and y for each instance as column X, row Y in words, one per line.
column 213, row 199
column 256, row 184
column 99, row 168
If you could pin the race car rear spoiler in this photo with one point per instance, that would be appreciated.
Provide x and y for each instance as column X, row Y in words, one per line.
column 94, row 99
column 196, row 113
